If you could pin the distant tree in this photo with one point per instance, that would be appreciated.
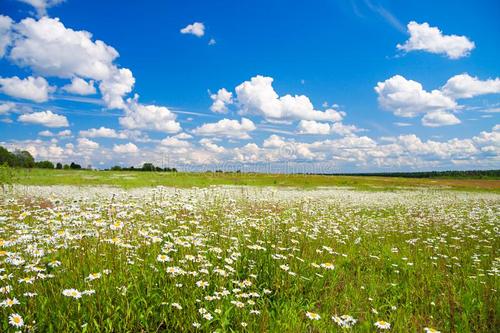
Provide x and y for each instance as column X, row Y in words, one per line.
column 75, row 166
column 59, row 165
column 44, row 165
column 66, row 167
column 24, row 159
column 148, row 167
column 116, row 168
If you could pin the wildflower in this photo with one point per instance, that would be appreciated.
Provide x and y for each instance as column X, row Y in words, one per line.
column 93, row 276
column 72, row 293
column 208, row 316
column 16, row 320
column 163, row 258
column 243, row 324
column 116, row 226
column 196, row 324
column 9, row 302
column 344, row 320
column 431, row 330
column 202, row 284
column 328, row 265
column 313, row 316
column 383, row 325
column 177, row 306
column 285, row 268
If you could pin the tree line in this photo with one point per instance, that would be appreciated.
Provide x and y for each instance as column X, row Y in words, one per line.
column 23, row 159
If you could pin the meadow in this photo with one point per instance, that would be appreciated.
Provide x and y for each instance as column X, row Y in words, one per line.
column 134, row 179
column 248, row 259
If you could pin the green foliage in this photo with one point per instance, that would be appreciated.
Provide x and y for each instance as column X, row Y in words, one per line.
column 7, row 176
column 44, row 165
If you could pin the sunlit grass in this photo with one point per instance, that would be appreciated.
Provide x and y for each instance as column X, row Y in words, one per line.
column 261, row 260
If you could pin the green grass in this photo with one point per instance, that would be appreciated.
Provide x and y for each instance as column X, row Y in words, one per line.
column 415, row 261
column 181, row 179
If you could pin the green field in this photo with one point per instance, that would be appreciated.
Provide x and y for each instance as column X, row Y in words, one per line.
column 130, row 179
column 247, row 259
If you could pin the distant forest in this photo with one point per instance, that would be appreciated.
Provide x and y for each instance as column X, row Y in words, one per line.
column 23, row 159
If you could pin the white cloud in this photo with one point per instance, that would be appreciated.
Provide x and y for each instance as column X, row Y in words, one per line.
column 174, row 142
column 86, row 144
column 63, row 133
column 314, row 127
column 102, row 132
column 150, row 117
column 439, row 118
column 44, row 118
column 183, row 136
column 402, row 124
column 33, row 88
column 42, row 5
column 5, row 33
column 426, row 38
column 221, row 100
column 51, row 49
column 128, row 148
column 46, row 133
column 115, row 87
column 6, row 107
column 258, row 97
column 79, row 86
column 407, row 98
column 212, row 41
column 466, row 86
column 227, row 128
column 197, row 29
column 273, row 141
column 211, row 146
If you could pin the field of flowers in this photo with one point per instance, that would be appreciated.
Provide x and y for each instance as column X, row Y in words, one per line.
column 243, row 259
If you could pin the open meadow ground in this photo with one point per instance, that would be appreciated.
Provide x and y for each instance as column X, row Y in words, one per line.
column 131, row 179
column 248, row 259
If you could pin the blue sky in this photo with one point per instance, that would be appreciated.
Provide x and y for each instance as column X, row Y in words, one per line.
column 306, row 74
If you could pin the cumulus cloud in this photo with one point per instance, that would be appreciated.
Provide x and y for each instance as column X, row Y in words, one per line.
column 430, row 39
column 466, row 86
column 211, row 146
column 128, row 148
column 115, row 87
column 227, row 128
column 315, row 127
column 79, row 86
column 63, row 133
column 51, row 49
column 174, row 142
column 42, row 5
column 439, row 118
column 197, row 29
column 44, row 118
column 5, row 33
column 258, row 97
column 407, row 98
column 86, row 144
column 102, row 132
column 221, row 100
column 149, row 117
column 33, row 88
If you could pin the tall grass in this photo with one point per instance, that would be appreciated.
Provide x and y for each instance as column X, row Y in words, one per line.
column 264, row 261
